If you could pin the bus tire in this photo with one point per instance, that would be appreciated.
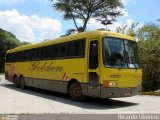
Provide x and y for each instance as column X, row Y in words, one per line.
column 16, row 83
column 22, row 83
column 75, row 92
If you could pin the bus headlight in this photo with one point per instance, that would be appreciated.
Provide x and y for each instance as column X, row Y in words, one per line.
column 110, row 83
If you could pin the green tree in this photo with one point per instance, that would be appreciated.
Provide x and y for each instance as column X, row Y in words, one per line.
column 105, row 11
column 121, row 29
column 132, row 31
column 7, row 41
column 149, row 52
column 149, row 31
column 25, row 43
column 129, row 30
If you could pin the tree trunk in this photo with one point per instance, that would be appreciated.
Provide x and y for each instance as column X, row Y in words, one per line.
column 75, row 22
column 85, row 24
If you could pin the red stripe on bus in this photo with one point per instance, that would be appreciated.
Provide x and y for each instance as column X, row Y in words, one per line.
column 66, row 78
column 63, row 76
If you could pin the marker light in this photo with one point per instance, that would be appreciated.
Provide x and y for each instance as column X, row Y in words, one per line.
column 110, row 83
column 105, row 83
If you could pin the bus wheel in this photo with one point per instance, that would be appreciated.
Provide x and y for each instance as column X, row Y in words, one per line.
column 22, row 83
column 75, row 92
column 16, row 83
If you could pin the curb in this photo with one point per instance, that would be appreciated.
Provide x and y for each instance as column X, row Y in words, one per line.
column 150, row 93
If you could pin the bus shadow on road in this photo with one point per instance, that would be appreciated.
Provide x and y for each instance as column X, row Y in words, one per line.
column 89, row 103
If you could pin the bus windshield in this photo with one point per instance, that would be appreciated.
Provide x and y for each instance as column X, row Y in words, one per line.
column 120, row 53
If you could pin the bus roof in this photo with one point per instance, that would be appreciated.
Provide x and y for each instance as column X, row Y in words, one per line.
column 70, row 38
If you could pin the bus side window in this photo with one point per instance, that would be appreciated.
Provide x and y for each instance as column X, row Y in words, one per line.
column 93, row 57
column 21, row 54
column 80, row 48
column 55, row 51
column 72, row 49
column 43, row 52
column 63, row 50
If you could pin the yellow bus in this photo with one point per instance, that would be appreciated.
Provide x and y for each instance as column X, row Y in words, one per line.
column 95, row 63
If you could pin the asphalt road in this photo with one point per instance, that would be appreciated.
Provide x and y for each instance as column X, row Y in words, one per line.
column 16, row 101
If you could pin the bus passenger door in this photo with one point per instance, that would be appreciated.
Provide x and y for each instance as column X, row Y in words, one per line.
column 93, row 70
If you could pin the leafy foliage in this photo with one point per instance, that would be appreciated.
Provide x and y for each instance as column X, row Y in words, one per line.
column 129, row 30
column 105, row 11
column 149, row 31
column 7, row 41
column 149, row 52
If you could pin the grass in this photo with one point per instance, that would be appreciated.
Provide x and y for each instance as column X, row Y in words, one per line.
column 150, row 93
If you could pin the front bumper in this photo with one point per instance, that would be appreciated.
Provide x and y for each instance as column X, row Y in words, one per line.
column 119, row 92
